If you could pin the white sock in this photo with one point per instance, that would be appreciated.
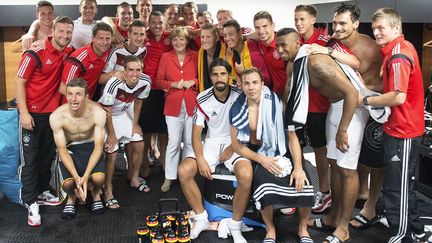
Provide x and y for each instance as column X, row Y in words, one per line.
column 235, row 229
column 201, row 223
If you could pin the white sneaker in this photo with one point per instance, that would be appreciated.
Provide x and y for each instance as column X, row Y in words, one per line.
column 322, row 202
column 34, row 218
column 46, row 198
column 288, row 211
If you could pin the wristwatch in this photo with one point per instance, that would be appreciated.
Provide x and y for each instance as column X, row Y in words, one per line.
column 365, row 100
column 330, row 51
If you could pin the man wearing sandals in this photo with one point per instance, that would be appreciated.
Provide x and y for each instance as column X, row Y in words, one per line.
column 115, row 68
column 78, row 128
column 123, row 99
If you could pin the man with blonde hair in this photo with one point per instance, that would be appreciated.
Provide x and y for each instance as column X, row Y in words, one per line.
column 403, row 92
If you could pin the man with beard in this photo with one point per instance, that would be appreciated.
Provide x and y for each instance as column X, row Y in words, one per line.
column 214, row 105
column 36, row 85
column 345, row 26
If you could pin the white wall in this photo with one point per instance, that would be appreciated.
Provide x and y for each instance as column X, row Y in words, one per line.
column 281, row 10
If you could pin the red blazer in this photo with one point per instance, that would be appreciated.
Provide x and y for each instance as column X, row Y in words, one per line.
column 170, row 71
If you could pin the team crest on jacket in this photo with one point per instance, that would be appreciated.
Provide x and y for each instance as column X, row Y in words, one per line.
column 276, row 54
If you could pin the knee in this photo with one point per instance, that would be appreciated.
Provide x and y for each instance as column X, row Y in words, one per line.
column 244, row 178
column 348, row 173
column 98, row 179
column 186, row 170
column 69, row 185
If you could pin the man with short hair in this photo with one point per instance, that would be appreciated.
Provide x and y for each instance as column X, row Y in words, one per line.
column 78, row 128
column 36, row 89
column 344, row 124
column 242, row 54
column 265, row 29
column 124, row 17
column 171, row 16
column 89, row 61
column 224, row 15
column 152, row 119
column 144, row 9
column 213, row 108
column 403, row 92
column 41, row 28
column 258, row 134
column 204, row 17
column 84, row 24
column 123, row 99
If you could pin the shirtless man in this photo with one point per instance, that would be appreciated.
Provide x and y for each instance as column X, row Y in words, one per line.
column 261, row 141
column 344, row 125
column 79, row 130
column 41, row 28
column 345, row 26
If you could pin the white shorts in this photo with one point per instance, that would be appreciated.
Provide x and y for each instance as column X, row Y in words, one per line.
column 123, row 125
column 212, row 151
column 349, row 159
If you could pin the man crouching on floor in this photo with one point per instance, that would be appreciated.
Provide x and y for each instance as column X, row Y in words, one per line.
column 79, row 130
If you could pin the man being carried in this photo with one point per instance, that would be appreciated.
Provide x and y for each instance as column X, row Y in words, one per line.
column 124, row 100
column 257, row 134
column 213, row 107
column 78, row 128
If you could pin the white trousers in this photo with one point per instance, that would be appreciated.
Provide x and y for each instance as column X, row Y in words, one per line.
column 179, row 127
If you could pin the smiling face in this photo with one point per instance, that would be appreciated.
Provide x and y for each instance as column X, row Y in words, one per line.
column 189, row 15
column 343, row 26
column 265, row 30
column 136, row 36
column 208, row 39
column 223, row 17
column 62, row 35
column 304, row 22
column 232, row 37
column 133, row 71
column 144, row 8
column 156, row 26
column 287, row 46
column 45, row 14
column 101, row 42
column 125, row 16
column 88, row 10
column 383, row 31
column 179, row 44
column 172, row 15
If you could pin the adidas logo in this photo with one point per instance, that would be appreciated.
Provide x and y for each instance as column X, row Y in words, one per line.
column 214, row 113
column 91, row 66
column 48, row 61
column 395, row 158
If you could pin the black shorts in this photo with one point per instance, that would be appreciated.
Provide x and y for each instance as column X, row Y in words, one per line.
column 80, row 154
column 371, row 154
column 152, row 119
column 315, row 129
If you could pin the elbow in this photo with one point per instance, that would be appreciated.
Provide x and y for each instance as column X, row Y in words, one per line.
column 399, row 99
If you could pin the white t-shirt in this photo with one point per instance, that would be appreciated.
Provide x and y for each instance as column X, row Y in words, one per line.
column 215, row 113
column 82, row 33
column 117, row 55
column 120, row 96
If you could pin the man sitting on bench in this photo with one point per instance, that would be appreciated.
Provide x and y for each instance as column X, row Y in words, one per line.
column 213, row 106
